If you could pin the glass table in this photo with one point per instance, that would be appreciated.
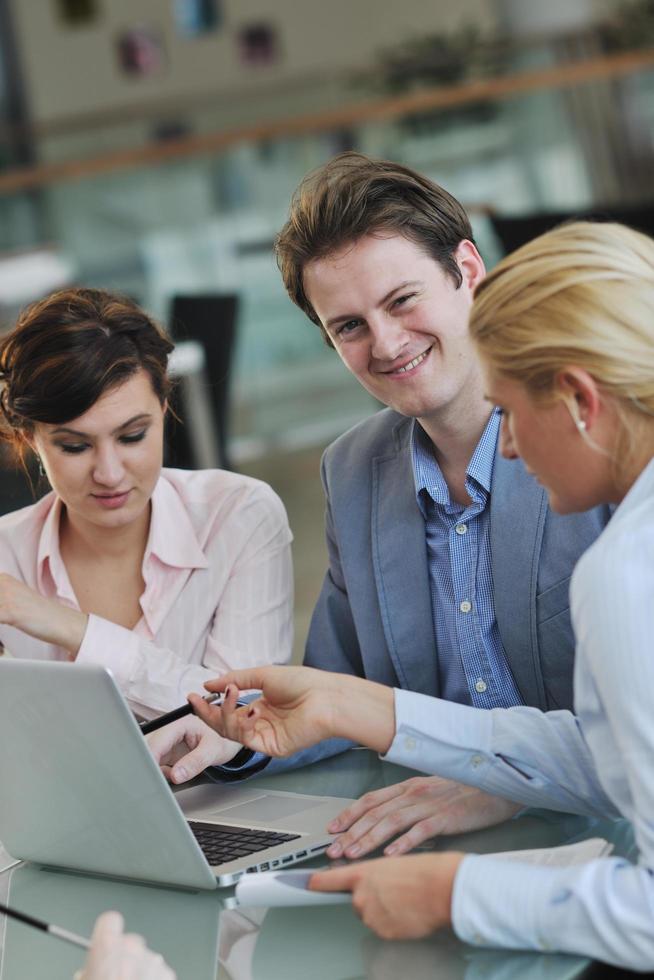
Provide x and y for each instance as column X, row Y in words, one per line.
column 202, row 939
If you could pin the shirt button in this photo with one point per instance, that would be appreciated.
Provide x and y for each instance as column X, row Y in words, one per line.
column 477, row 761
column 409, row 744
column 465, row 606
column 461, row 528
column 480, row 686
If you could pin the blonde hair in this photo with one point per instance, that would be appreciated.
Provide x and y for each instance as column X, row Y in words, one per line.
column 581, row 295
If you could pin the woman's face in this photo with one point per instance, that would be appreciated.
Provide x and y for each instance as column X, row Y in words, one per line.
column 546, row 438
column 104, row 464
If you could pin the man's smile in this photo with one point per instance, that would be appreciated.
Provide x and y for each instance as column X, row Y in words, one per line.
column 408, row 366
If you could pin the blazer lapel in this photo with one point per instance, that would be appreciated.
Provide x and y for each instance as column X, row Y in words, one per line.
column 518, row 512
column 401, row 574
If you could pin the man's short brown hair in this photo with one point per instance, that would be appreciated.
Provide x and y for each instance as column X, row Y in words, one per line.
column 354, row 195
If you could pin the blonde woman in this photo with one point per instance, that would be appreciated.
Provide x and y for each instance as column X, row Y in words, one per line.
column 565, row 329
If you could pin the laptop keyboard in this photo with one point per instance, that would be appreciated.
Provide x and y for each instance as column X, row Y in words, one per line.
column 221, row 843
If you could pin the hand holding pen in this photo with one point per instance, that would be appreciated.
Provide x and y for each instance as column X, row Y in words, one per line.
column 170, row 716
column 183, row 746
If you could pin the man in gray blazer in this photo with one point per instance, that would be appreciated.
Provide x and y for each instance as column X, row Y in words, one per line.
column 448, row 574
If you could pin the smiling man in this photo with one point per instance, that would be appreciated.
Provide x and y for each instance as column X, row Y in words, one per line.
column 448, row 574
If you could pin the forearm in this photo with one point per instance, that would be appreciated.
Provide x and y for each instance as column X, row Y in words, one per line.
column 45, row 619
column 69, row 630
column 361, row 711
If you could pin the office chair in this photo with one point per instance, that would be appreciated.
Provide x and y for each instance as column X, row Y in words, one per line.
column 210, row 319
column 516, row 231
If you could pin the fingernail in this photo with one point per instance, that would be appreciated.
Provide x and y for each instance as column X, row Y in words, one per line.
column 391, row 849
column 333, row 827
column 334, row 850
column 353, row 850
column 180, row 774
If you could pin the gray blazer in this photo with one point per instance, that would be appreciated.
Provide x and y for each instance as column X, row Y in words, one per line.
column 374, row 617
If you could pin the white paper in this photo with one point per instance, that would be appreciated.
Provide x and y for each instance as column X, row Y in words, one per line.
column 563, row 856
column 278, row 888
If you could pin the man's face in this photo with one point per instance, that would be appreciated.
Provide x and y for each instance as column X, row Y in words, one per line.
column 398, row 321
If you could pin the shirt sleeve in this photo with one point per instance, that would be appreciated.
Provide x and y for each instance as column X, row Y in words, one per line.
column 523, row 754
column 604, row 909
column 252, row 625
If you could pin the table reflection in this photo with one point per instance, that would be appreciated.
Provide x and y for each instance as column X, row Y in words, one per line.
column 202, row 939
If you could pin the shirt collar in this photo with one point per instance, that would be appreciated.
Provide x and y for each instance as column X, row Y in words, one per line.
column 172, row 539
column 427, row 473
column 640, row 492
column 480, row 467
column 48, row 557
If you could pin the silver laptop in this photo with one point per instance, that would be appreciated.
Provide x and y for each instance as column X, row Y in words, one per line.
column 80, row 790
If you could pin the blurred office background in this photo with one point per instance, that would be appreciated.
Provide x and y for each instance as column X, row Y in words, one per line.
column 151, row 146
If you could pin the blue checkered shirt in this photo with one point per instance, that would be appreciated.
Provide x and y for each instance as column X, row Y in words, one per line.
column 472, row 667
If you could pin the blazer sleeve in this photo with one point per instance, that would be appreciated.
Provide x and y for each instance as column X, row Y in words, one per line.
column 332, row 642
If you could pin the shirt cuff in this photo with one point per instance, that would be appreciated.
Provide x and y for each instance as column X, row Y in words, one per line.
column 112, row 646
column 435, row 736
column 227, row 773
column 235, row 766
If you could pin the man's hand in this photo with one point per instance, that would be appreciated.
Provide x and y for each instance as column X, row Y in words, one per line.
column 398, row 898
column 117, row 956
column 298, row 707
column 44, row 619
column 427, row 805
column 185, row 748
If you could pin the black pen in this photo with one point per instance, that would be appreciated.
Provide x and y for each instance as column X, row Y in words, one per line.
column 57, row 931
column 186, row 709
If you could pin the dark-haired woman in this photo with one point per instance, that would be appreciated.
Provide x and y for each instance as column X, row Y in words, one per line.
column 165, row 576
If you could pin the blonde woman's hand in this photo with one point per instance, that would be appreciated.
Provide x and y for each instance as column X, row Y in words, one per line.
column 398, row 898
column 298, row 707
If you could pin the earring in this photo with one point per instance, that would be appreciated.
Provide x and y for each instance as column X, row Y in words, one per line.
column 40, row 464
column 581, row 425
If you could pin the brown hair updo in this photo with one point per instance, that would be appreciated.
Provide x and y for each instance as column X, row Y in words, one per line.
column 69, row 349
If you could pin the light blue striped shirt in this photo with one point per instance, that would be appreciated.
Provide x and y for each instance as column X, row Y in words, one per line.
column 472, row 667
column 599, row 762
